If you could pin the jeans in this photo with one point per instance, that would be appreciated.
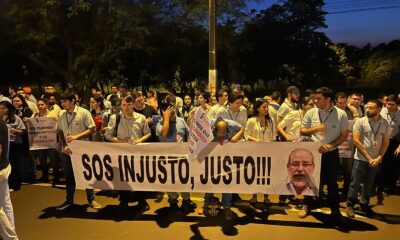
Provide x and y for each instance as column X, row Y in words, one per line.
column 226, row 199
column 7, row 225
column 70, row 181
column 362, row 173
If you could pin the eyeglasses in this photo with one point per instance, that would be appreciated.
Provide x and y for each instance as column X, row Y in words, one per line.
column 298, row 164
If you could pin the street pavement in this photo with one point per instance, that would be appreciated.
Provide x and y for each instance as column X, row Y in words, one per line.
column 37, row 219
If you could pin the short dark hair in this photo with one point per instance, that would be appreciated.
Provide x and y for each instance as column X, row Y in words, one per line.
column 340, row 95
column 292, row 89
column 68, row 96
column 326, row 92
column 393, row 98
column 234, row 96
column 275, row 95
column 206, row 96
column 378, row 103
column 356, row 94
column 220, row 93
column 128, row 99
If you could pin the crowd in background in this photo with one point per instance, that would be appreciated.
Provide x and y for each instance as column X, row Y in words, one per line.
column 122, row 116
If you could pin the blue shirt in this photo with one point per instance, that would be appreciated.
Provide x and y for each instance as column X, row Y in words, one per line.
column 178, row 131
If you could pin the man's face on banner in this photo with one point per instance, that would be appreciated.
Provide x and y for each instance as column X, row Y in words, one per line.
column 300, row 167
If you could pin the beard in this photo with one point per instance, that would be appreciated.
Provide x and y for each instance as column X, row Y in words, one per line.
column 371, row 115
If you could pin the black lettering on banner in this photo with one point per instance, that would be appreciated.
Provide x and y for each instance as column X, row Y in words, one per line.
column 162, row 177
column 129, row 169
column 151, row 177
column 109, row 173
column 120, row 168
column 215, row 176
column 183, row 167
column 97, row 174
column 85, row 162
column 140, row 176
column 249, row 161
column 227, row 169
column 172, row 161
column 238, row 160
column 204, row 177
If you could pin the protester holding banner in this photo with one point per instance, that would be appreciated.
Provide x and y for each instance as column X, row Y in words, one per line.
column 74, row 123
column 328, row 125
column 371, row 136
column 235, row 110
column 43, row 154
column 17, row 129
column 174, row 129
column 260, row 128
column 129, row 127
column 224, row 131
column 7, row 225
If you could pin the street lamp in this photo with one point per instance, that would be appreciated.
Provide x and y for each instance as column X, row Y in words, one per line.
column 212, row 49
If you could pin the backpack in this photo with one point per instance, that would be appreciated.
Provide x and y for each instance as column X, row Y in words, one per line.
column 117, row 121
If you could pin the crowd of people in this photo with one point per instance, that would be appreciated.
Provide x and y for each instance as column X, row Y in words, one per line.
column 319, row 115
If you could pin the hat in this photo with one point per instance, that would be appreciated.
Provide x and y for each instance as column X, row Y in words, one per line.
column 27, row 90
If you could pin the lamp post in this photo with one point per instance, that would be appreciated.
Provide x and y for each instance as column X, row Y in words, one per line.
column 212, row 49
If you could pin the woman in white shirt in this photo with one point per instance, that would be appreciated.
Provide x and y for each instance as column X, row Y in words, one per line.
column 260, row 128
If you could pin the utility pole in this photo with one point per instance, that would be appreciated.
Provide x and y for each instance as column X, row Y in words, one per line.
column 212, row 48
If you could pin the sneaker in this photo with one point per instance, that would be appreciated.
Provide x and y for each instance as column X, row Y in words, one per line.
column 350, row 212
column 228, row 214
column 123, row 207
column 143, row 206
column 95, row 205
column 380, row 197
column 367, row 210
column 64, row 206
column 303, row 212
column 174, row 206
column 188, row 205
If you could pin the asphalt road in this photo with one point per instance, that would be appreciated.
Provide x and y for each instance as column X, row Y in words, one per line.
column 37, row 219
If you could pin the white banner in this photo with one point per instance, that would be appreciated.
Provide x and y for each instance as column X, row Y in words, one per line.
column 42, row 133
column 243, row 167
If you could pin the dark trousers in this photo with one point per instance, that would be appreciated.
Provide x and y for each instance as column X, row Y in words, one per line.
column 70, row 181
column 347, row 167
column 329, row 176
column 390, row 167
column 15, row 179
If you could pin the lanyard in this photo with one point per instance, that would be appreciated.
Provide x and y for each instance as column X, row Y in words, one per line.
column 377, row 130
column 265, row 128
column 70, row 122
column 391, row 118
column 229, row 111
column 320, row 118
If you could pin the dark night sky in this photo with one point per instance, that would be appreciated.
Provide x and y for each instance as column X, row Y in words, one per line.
column 380, row 23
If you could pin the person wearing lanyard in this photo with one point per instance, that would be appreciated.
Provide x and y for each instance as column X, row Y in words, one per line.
column 329, row 126
column 74, row 123
column 260, row 128
column 235, row 111
column 371, row 136
column 391, row 160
